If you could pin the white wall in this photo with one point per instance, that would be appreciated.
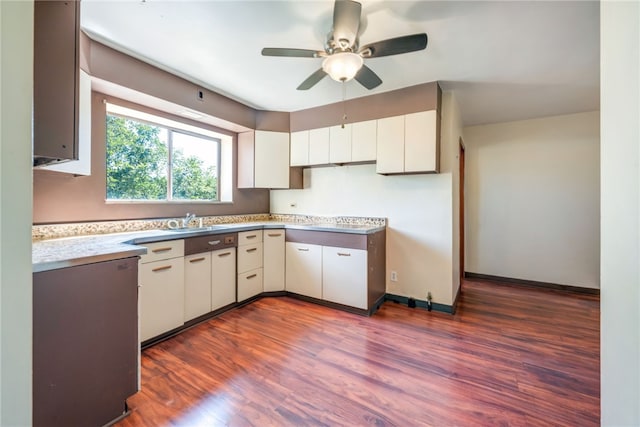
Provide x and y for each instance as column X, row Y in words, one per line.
column 620, row 255
column 418, row 208
column 451, row 132
column 16, row 89
column 533, row 199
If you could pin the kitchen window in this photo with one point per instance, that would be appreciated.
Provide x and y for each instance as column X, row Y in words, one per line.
column 150, row 158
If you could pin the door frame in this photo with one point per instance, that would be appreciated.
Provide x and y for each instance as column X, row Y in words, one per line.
column 461, row 221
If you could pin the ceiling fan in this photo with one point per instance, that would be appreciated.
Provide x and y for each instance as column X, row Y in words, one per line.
column 343, row 57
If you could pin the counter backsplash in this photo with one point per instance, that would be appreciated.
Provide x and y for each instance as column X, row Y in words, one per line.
column 55, row 231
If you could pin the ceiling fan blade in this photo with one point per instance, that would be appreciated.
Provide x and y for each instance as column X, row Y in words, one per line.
column 395, row 46
column 295, row 53
column 367, row 78
column 346, row 21
column 312, row 80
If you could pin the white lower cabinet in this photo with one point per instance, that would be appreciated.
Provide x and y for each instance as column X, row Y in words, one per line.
column 304, row 269
column 273, row 260
column 161, row 293
column 197, row 285
column 210, row 282
column 249, row 264
column 223, row 277
column 344, row 276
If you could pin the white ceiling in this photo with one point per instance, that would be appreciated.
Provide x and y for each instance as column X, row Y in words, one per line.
column 504, row 60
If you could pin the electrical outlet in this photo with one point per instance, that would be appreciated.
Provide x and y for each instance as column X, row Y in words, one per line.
column 394, row 276
column 200, row 95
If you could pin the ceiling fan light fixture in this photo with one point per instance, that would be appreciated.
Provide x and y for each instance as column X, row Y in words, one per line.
column 342, row 66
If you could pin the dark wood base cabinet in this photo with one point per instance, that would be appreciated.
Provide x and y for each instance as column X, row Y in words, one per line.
column 85, row 343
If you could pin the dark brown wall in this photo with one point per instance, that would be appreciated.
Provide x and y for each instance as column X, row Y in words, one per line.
column 59, row 197
column 115, row 67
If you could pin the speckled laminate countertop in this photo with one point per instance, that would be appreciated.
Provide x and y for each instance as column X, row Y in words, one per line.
column 71, row 251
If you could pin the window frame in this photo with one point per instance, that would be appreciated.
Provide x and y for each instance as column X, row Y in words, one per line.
column 170, row 130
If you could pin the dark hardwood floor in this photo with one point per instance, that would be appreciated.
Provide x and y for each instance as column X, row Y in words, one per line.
column 509, row 356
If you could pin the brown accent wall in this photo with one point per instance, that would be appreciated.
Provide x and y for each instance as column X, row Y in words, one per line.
column 116, row 67
column 408, row 100
column 275, row 121
column 59, row 197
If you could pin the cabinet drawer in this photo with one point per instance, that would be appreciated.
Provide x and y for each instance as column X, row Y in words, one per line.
column 162, row 250
column 249, row 257
column 249, row 237
column 249, row 284
column 212, row 242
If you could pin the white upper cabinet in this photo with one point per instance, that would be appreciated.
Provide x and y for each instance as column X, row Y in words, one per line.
column 340, row 144
column 420, row 142
column 263, row 159
column 390, row 146
column 319, row 146
column 408, row 144
column 299, row 148
column 363, row 141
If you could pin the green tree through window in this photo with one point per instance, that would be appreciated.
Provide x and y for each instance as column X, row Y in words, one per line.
column 138, row 159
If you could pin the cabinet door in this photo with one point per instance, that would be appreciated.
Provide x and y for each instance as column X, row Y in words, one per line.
column 363, row 141
column 271, row 159
column 319, row 146
column 340, row 144
column 420, row 148
column 299, row 148
column 223, row 278
column 344, row 276
column 56, row 67
column 390, row 145
column 161, row 297
column 197, row 285
column 273, row 260
column 249, row 284
column 304, row 269
column 246, row 159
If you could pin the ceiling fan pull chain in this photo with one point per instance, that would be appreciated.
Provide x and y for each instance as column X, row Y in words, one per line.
column 344, row 103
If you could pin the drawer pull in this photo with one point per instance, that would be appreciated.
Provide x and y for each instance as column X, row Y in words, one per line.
column 274, row 234
column 252, row 249
column 166, row 267
column 253, row 236
column 214, row 242
column 303, row 249
column 196, row 259
column 343, row 254
column 158, row 250
column 251, row 277
column 224, row 254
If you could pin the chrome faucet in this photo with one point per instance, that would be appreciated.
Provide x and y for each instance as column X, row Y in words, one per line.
column 187, row 219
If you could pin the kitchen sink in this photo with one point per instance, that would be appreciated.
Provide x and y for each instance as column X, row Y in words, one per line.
column 196, row 229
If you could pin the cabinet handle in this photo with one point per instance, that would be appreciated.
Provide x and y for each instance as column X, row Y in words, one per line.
column 303, row 249
column 274, row 234
column 251, row 277
column 343, row 254
column 214, row 242
column 166, row 267
column 252, row 249
column 196, row 259
column 253, row 236
column 224, row 254
column 158, row 250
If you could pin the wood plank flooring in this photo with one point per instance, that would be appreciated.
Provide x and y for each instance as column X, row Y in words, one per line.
column 510, row 356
